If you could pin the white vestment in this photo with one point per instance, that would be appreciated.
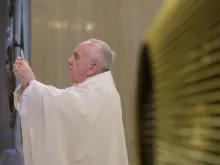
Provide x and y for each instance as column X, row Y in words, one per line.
column 75, row 126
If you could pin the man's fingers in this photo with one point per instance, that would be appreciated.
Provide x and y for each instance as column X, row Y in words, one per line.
column 15, row 66
column 22, row 62
column 18, row 77
column 18, row 73
column 26, row 61
column 16, row 69
column 17, row 62
column 19, row 58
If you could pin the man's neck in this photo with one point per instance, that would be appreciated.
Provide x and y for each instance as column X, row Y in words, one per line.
column 83, row 82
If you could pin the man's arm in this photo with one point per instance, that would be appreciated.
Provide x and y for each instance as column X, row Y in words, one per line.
column 31, row 99
column 25, row 75
column 18, row 94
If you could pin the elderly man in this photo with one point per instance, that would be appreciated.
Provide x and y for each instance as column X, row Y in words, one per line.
column 79, row 125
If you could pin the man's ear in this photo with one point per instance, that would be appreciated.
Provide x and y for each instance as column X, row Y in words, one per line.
column 93, row 68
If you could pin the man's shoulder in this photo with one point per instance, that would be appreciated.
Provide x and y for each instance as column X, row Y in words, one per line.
column 104, row 90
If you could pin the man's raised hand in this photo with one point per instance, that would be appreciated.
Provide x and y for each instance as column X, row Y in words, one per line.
column 23, row 71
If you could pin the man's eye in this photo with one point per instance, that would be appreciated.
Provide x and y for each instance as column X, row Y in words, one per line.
column 76, row 56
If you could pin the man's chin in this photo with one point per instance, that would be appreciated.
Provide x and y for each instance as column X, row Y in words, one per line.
column 71, row 79
column 69, row 76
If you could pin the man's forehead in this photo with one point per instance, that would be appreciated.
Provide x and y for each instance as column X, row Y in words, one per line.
column 84, row 46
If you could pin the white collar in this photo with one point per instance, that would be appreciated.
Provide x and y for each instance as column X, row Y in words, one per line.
column 82, row 83
column 92, row 78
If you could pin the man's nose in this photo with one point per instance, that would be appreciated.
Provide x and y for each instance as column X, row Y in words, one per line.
column 69, row 60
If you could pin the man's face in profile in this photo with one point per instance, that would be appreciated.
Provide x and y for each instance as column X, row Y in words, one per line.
column 79, row 63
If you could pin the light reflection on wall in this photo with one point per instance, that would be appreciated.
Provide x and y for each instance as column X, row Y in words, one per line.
column 58, row 24
column 65, row 25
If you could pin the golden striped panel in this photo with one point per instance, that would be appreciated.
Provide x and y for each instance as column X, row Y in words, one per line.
column 184, row 43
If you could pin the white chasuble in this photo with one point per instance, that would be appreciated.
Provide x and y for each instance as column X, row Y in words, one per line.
column 79, row 125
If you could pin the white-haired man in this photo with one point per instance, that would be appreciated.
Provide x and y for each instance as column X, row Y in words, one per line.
column 79, row 125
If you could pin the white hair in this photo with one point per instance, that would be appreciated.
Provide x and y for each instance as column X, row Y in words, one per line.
column 107, row 55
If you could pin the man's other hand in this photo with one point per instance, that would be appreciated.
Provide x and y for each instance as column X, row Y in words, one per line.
column 23, row 71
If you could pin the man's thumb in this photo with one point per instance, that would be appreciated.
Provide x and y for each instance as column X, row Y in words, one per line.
column 25, row 61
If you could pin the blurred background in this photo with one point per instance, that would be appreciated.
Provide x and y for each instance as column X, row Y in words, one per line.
column 167, row 70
